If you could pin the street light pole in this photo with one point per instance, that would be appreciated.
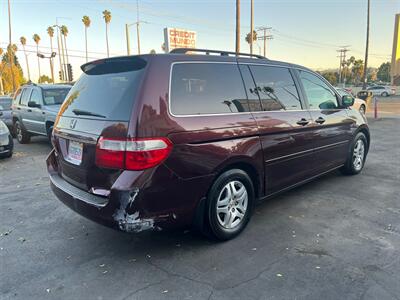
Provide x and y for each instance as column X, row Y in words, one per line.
column 53, row 54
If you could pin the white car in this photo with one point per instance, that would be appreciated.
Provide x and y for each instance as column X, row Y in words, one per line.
column 359, row 104
column 380, row 90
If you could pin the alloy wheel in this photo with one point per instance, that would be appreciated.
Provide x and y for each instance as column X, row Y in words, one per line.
column 232, row 204
column 358, row 155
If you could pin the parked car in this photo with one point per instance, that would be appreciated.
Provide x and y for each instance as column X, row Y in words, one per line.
column 359, row 104
column 6, row 141
column 161, row 141
column 5, row 111
column 35, row 108
column 380, row 90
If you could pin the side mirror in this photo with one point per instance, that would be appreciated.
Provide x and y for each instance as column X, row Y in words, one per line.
column 347, row 101
column 33, row 104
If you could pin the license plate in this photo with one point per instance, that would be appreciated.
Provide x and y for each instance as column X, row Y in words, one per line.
column 75, row 151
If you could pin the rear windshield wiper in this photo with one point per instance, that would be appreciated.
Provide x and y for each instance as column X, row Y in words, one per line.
column 80, row 112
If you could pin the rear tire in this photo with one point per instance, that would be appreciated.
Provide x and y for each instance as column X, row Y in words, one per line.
column 49, row 132
column 23, row 137
column 357, row 155
column 385, row 94
column 229, row 205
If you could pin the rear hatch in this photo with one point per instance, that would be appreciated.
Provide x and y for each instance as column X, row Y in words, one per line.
column 98, row 105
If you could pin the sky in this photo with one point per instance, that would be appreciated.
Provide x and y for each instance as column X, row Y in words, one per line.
column 306, row 32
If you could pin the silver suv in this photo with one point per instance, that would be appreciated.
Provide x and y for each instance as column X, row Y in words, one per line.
column 35, row 108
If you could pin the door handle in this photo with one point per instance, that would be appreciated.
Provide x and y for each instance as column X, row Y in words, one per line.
column 29, row 110
column 320, row 120
column 19, row 108
column 303, row 122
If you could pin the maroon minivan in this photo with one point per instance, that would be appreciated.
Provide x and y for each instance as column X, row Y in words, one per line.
column 161, row 141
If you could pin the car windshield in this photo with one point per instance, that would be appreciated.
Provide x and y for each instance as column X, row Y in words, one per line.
column 55, row 96
column 5, row 103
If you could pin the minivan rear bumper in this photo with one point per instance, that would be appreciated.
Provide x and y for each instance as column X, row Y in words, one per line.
column 136, row 209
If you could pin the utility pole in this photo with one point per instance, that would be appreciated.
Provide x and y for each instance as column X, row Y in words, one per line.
column 137, row 26
column 342, row 55
column 251, row 25
column 366, row 48
column 128, row 47
column 265, row 37
column 237, row 26
column 10, row 50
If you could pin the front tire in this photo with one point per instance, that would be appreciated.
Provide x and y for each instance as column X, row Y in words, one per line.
column 229, row 204
column 23, row 137
column 357, row 155
column 385, row 94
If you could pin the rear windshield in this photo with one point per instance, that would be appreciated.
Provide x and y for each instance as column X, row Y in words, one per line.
column 105, row 90
column 5, row 103
column 55, row 96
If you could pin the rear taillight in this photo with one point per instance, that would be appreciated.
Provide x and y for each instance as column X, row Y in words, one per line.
column 132, row 154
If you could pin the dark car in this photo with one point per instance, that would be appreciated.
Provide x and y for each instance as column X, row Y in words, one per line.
column 6, row 141
column 164, row 141
column 35, row 108
column 5, row 111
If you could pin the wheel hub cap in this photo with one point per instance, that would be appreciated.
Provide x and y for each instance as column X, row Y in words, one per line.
column 232, row 204
column 358, row 155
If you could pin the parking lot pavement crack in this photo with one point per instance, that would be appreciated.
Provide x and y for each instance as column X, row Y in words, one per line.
column 256, row 276
column 144, row 288
column 172, row 274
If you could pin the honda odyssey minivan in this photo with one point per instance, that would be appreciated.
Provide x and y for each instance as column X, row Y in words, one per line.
column 164, row 141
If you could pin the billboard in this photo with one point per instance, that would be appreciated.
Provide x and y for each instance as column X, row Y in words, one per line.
column 179, row 38
column 395, row 68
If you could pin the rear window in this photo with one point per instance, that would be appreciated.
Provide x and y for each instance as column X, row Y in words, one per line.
column 5, row 103
column 207, row 88
column 106, row 90
column 55, row 96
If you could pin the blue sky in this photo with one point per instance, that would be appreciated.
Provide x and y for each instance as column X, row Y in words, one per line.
column 305, row 32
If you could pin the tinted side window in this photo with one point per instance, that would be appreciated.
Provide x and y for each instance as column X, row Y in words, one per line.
column 252, row 94
column 319, row 94
column 276, row 88
column 36, row 96
column 25, row 96
column 207, row 88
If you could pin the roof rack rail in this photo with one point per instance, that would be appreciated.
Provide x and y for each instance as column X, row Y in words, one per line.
column 207, row 52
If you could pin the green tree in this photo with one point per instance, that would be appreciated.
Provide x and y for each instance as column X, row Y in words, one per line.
column 64, row 32
column 107, row 20
column 86, row 22
column 248, row 37
column 332, row 77
column 45, row 79
column 152, row 51
column 384, row 72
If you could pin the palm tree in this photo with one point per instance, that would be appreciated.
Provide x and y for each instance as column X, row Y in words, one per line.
column 36, row 39
column 86, row 21
column 107, row 19
column 22, row 39
column 64, row 32
column 248, row 37
column 50, row 31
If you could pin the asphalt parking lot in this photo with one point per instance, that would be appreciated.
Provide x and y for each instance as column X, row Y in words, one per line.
column 335, row 238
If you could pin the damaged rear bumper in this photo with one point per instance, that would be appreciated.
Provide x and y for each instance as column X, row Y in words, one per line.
column 113, row 211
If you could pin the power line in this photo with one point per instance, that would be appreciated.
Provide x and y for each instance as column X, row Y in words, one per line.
column 342, row 55
column 265, row 36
